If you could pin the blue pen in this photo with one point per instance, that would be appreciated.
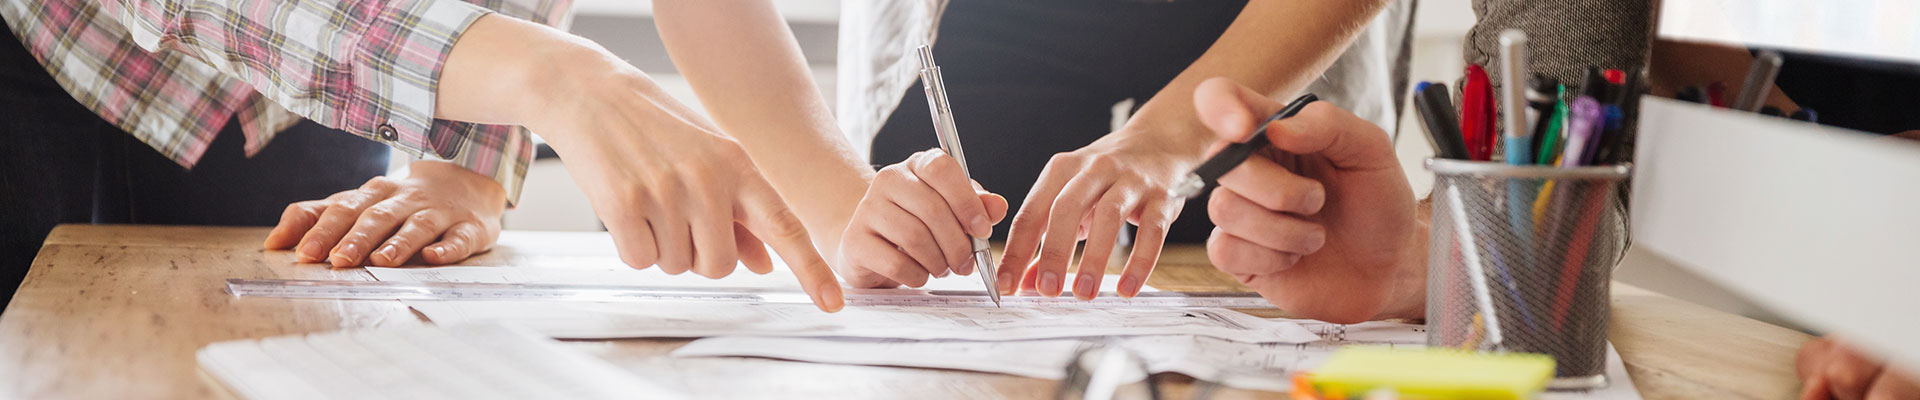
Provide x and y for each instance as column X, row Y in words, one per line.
column 1513, row 73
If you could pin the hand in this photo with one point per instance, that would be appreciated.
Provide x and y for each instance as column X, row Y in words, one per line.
column 917, row 219
column 1833, row 370
column 671, row 189
column 440, row 210
column 1086, row 194
column 1321, row 222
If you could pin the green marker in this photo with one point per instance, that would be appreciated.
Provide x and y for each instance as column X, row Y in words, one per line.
column 1550, row 146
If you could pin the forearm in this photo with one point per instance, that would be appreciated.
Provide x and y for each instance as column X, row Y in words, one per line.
column 1273, row 47
column 508, row 71
column 749, row 73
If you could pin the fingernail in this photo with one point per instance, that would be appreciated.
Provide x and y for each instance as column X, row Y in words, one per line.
column 1290, row 260
column 345, row 256
column 311, row 252
column 1006, row 284
column 1316, row 198
column 1129, row 286
column 1050, row 283
column 1083, row 287
column 940, row 273
column 981, row 227
column 1315, row 240
column 389, row 252
column 829, row 299
column 440, row 251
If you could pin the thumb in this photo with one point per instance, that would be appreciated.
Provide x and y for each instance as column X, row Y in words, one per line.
column 996, row 205
column 1230, row 110
column 769, row 218
column 1344, row 139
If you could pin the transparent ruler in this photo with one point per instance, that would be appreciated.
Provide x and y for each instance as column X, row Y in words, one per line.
column 378, row 290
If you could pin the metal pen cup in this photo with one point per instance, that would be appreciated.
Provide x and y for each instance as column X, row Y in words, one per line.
column 1521, row 258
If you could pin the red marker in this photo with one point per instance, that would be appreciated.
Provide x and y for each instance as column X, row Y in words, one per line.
column 1717, row 94
column 1477, row 113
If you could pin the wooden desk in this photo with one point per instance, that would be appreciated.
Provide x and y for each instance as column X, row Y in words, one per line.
column 117, row 312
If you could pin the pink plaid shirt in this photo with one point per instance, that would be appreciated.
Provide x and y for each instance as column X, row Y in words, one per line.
column 173, row 72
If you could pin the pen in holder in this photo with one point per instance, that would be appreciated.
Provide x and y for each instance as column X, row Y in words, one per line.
column 1521, row 258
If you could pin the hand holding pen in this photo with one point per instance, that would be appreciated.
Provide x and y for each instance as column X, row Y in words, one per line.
column 1320, row 220
column 924, row 217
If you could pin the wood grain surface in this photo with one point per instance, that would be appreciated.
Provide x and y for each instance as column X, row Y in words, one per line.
column 115, row 311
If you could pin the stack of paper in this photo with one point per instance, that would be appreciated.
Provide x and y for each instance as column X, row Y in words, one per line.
column 1218, row 345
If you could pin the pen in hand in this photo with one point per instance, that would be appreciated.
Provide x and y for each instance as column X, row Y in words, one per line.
column 950, row 142
column 1209, row 173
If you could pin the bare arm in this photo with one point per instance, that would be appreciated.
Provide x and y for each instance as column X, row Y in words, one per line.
column 1273, row 47
column 747, row 68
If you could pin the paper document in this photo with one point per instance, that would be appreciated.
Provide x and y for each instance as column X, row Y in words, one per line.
column 685, row 320
column 631, row 320
column 1263, row 366
column 780, row 278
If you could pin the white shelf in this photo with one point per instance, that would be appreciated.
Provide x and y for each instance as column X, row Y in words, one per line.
column 1876, row 29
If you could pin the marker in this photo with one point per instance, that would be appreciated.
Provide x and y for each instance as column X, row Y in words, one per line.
column 1550, row 147
column 1476, row 113
column 1209, row 172
column 1586, row 120
column 1717, row 94
column 942, row 112
column 1440, row 119
column 1759, row 83
column 1513, row 66
column 1540, row 103
column 1772, row 111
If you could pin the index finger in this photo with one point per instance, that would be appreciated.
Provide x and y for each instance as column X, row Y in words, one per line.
column 768, row 218
column 946, row 176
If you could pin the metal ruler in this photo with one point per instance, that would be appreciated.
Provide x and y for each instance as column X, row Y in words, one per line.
column 380, row 290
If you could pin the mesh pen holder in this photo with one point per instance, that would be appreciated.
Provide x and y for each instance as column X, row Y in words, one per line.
column 1520, row 261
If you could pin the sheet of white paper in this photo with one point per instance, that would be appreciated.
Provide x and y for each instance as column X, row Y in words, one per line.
column 780, row 278
column 636, row 320
column 1245, row 365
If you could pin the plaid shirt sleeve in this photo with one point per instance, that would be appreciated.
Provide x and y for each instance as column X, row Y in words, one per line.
column 368, row 67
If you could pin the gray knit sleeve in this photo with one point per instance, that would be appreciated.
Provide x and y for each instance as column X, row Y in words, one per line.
column 1565, row 37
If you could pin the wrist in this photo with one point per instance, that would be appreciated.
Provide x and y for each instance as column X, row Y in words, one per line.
column 1172, row 127
column 1409, row 299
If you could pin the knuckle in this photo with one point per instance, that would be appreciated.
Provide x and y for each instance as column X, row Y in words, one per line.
column 1064, row 158
column 1053, row 257
column 400, row 242
column 786, row 224
column 424, row 220
column 379, row 214
column 941, row 166
column 1102, row 164
column 891, row 174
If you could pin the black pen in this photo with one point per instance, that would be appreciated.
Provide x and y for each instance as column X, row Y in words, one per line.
column 1435, row 104
column 1208, row 174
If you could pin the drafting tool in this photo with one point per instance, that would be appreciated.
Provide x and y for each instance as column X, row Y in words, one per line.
column 464, row 291
column 942, row 112
column 1208, row 174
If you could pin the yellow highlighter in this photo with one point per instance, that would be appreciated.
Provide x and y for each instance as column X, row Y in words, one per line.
column 1431, row 374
